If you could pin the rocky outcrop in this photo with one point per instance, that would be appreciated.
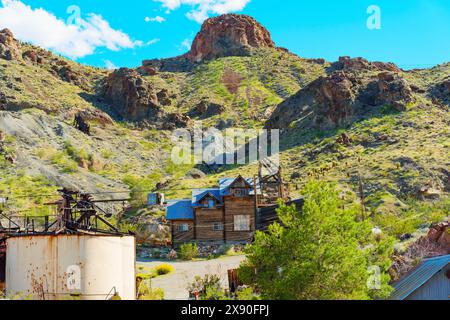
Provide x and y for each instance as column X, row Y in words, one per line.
column 435, row 243
column 95, row 115
column 9, row 47
column 165, row 97
column 205, row 109
column 388, row 89
column 336, row 99
column 441, row 91
column 327, row 101
column 64, row 71
column 227, row 35
column 359, row 64
column 132, row 98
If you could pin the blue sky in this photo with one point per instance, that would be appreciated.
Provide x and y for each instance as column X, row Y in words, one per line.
column 414, row 33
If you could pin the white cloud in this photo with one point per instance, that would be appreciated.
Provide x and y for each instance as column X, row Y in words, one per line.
column 43, row 28
column 155, row 19
column 153, row 41
column 203, row 9
column 109, row 65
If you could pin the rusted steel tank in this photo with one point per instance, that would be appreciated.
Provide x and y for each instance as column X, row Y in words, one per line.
column 79, row 266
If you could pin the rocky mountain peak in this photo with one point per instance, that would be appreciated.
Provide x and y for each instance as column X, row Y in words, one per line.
column 229, row 34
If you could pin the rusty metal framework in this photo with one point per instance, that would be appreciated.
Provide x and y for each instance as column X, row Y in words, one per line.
column 77, row 212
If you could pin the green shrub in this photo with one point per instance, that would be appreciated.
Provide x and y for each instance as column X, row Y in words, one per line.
column 188, row 251
column 147, row 293
column 246, row 294
column 164, row 269
column 209, row 285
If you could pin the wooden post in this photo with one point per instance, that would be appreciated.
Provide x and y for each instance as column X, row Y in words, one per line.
column 255, row 190
column 361, row 195
column 195, row 224
column 224, row 223
column 172, row 227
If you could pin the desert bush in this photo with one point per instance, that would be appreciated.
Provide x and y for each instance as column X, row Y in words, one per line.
column 208, row 285
column 164, row 269
column 188, row 251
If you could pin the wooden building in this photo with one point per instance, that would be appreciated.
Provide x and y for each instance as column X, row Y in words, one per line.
column 223, row 214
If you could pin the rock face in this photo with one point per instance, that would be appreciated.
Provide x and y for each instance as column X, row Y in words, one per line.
column 132, row 98
column 441, row 91
column 229, row 34
column 335, row 100
column 359, row 64
column 389, row 89
column 435, row 243
column 9, row 47
column 205, row 109
column 95, row 115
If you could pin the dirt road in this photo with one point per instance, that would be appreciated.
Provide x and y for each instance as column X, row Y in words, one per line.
column 175, row 283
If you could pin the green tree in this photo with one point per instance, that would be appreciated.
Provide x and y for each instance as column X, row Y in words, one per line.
column 323, row 252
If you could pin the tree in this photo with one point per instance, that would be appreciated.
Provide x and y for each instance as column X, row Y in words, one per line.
column 323, row 252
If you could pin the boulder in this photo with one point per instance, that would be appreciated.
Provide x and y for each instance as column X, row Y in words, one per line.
column 205, row 109
column 391, row 89
column 441, row 91
column 9, row 47
column 131, row 96
column 164, row 97
column 95, row 115
column 195, row 174
column 175, row 120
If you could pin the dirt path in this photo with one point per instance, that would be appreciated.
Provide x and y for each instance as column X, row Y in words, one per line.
column 175, row 284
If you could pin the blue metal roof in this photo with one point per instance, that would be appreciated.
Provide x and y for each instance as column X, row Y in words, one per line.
column 180, row 210
column 420, row 275
column 199, row 194
column 225, row 183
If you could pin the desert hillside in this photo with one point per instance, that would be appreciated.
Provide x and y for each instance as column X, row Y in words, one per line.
column 354, row 122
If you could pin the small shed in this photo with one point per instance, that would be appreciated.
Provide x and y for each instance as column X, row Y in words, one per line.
column 181, row 216
column 428, row 281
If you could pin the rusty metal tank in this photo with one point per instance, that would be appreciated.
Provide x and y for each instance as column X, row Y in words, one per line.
column 65, row 266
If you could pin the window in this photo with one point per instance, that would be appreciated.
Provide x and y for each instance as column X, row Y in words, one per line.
column 240, row 192
column 183, row 227
column 241, row 223
column 211, row 203
column 218, row 226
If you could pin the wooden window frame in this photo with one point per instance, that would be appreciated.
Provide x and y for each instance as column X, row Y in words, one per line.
column 240, row 192
column 218, row 227
column 181, row 229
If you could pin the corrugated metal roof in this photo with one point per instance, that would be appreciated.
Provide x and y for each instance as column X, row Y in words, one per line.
column 225, row 183
column 416, row 278
column 199, row 194
column 180, row 210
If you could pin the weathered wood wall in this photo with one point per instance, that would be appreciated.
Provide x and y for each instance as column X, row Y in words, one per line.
column 205, row 220
column 235, row 206
column 178, row 236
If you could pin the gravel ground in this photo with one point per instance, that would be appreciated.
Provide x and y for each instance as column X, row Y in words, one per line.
column 175, row 283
